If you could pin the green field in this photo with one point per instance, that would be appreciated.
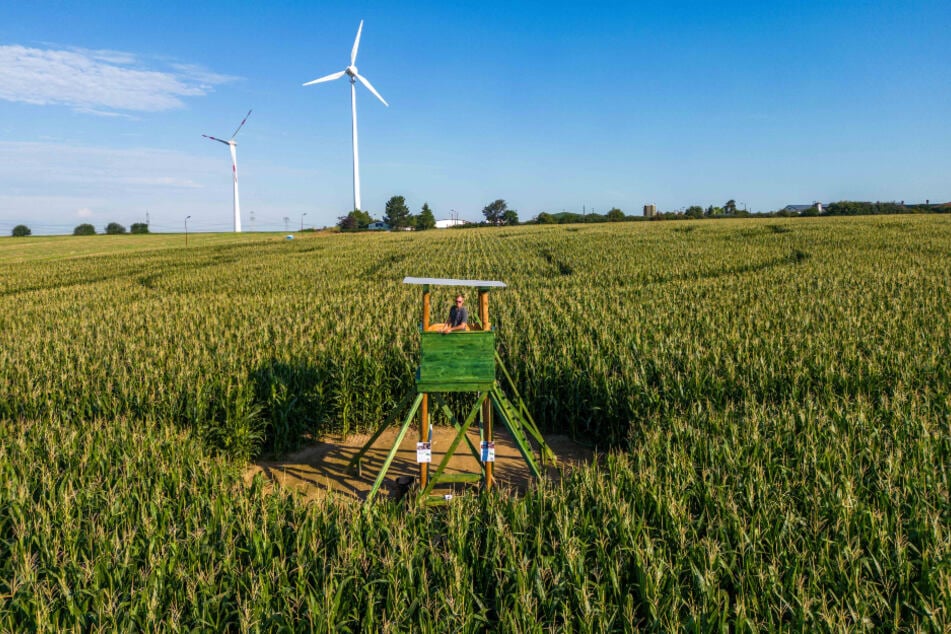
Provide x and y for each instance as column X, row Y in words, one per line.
column 773, row 398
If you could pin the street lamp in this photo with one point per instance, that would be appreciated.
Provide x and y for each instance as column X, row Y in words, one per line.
column 302, row 220
column 186, row 230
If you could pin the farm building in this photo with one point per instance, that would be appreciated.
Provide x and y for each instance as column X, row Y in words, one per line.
column 801, row 208
column 450, row 222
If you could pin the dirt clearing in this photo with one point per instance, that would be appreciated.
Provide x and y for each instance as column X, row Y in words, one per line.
column 322, row 467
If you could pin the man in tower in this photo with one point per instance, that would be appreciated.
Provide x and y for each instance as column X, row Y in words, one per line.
column 458, row 316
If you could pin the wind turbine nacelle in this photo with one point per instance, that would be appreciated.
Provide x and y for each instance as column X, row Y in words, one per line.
column 352, row 71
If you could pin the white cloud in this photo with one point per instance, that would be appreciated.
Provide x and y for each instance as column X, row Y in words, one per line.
column 98, row 82
column 85, row 212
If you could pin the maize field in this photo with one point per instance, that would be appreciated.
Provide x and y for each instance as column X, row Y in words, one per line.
column 770, row 400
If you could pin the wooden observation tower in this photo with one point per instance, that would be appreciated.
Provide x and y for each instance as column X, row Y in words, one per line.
column 460, row 361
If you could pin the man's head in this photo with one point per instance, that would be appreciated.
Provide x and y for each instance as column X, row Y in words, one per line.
column 460, row 299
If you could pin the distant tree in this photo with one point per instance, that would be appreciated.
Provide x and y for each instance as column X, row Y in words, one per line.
column 494, row 210
column 850, row 208
column 354, row 221
column 348, row 222
column 567, row 217
column 397, row 213
column 729, row 207
column 84, row 229
column 812, row 211
column 694, row 211
column 615, row 215
column 859, row 208
column 114, row 228
column 509, row 217
column 426, row 219
column 545, row 218
column 21, row 231
column 363, row 218
column 139, row 227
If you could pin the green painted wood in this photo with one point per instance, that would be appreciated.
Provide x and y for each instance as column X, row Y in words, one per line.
column 455, row 443
column 452, row 419
column 396, row 446
column 356, row 460
column 527, row 424
column 513, row 422
column 456, row 362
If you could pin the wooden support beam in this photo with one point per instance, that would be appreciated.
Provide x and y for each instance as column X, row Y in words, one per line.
column 484, row 308
column 513, row 422
column 396, row 446
column 391, row 417
column 460, row 434
column 424, row 437
column 441, row 405
column 427, row 307
column 489, row 437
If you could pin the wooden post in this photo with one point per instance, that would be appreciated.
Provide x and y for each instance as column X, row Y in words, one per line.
column 486, row 404
column 487, row 419
column 424, row 437
column 424, row 408
column 426, row 307
column 484, row 308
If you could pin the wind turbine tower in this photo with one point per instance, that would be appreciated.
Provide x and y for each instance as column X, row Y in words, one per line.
column 234, row 169
column 354, row 75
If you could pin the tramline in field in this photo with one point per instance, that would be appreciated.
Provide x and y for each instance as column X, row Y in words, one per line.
column 462, row 362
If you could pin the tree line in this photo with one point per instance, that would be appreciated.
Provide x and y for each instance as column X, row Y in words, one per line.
column 398, row 216
column 86, row 229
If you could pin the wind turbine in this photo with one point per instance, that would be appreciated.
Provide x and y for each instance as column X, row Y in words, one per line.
column 234, row 170
column 351, row 70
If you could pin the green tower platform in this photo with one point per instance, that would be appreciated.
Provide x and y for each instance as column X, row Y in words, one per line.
column 460, row 361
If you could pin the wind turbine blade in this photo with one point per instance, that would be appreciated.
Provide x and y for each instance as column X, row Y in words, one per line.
column 327, row 78
column 242, row 124
column 356, row 45
column 215, row 139
column 371, row 88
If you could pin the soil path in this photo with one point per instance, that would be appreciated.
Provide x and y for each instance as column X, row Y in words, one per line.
column 322, row 467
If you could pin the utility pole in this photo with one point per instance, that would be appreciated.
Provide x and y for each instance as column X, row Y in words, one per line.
column 302, row 220
column 286, row 224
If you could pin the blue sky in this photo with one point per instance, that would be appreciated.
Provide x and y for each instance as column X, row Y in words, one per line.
column 550, row 105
